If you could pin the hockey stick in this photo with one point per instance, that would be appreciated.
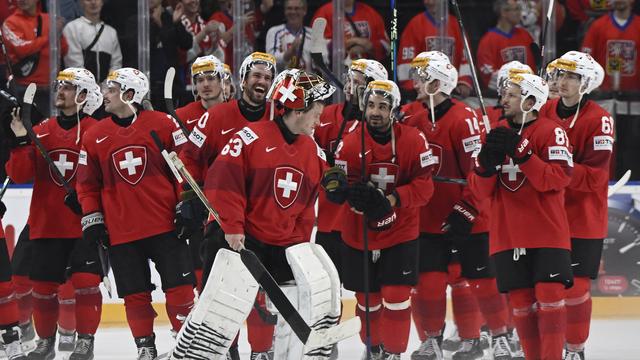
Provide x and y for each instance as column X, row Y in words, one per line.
column 538, row 50
column 474, row 75
column 394, row 41
column 310, row 338
column 26, row 121
column 5, row 185
column 619, row 184
column 7, row 60
column 168, row 99
column 450, row 180
column 365, row 237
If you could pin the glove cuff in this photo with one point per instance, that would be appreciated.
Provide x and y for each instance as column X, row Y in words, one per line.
column 467, row 210
column 92, row 219
column 384, row 223
column 522, row 159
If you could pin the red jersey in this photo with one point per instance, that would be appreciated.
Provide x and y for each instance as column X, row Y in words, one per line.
column 494, row 113
column 325, row 135
column 453, row 140
column 409, row 176
column 421, row 34
column 497, row 48
column 591, row 139
column 369, row 24
column 527, row 200
column 125, row 177
column 265, row 187
column 615, row 47
column 581, row 10
column 191, row 113
column 213, row 131
column 26, row 164
column 411, row 109
column 19, row 33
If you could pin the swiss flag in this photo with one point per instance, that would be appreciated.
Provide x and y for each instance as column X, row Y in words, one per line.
column 130, row 163
column 511, row 177
column 384, row 175
column 67, row 163
column 286, row 185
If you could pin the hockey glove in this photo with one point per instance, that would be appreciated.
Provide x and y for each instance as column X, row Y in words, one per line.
column 93, row 229
column 460, row 221
column 517, row 147
column 358, row 196
column 334, row 183
column 379, row 212
column 190, row 215
column 488, row 159
column 71, row 200
column 3, row 209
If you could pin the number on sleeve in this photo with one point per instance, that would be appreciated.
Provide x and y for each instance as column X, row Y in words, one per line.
column 473, row 125
column 607, row 125
column 236, row 143
column 561, row 137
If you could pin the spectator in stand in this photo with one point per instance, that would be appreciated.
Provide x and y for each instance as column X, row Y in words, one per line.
column 6, row 8
column 365, row 34
column 585, row 10
column 26, row 36
column 205, row 35
column 70, row 9
column 93, row 44
column 504, row 43
column 613, row 41
column 421, row 34
column 290, row 42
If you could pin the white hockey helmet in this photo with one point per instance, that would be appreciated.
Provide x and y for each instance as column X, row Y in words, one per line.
column 256, row 58
column 531, row 85
column 206, row 64
column 372, row 70
column 386, row 88
column 591, row 73
column 82, row 79
column 435, row 65
column 130, row 79
column 511, row 68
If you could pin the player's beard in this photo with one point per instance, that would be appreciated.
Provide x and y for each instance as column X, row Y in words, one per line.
column 256, row 97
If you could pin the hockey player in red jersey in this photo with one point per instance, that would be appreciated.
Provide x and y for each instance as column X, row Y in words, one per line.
column 58, row 252
column 453, row 131
column 332, row 120
column 209, row 77
column 9, row 315
column 523, row 168
column 398, row 181
column 125, row 187
column 365, row 34
column 613, row 41
column 421, row 34
column 504, row 43
column 591, row 135
column 265, row 182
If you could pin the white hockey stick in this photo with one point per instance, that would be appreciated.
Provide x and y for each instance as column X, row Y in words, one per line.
column 619, row 184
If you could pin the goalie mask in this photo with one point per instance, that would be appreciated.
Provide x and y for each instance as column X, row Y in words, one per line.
column 296, row 89
column 253, row 59
column 509, row 69
column 84, row 81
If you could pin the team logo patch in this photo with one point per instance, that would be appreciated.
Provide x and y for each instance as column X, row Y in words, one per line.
column 560, row 153
column 67, row 163
column 384, row 175
column 514, row 53
column 130, row 163
column 603, row 142
column 511, row 177
column 427, row 159
column 197, row 137
column 621, row 56
column 471, row 143
column 286, row 185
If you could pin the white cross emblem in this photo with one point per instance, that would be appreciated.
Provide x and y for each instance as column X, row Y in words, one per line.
column 287, row 185
column 130, row 163
column 382, row 178
column 288, row 93
column 63, row 165
column 511, row 169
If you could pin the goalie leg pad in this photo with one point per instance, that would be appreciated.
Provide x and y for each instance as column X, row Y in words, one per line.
column 224, row 305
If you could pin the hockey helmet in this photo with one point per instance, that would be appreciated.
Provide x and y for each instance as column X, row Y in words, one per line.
column 387, row 89
column 206, row 64
column 434, row 65
column 296, row 89
column 130, row 79
column 511, row 68
column 94, row 100
column 257, row 58
column 591, row 73
column 531, row 85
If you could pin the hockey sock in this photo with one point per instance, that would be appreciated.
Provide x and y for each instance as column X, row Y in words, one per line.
column 431, row 301
column 45, row 308
column 510, row 324
column 259, row 332
column 552, row 319
column 526, row 321
column 465, row 310
column 88, row 302
column 198, row 273
column 417, row 316
column 67, row 307
column 492, row 304
column 396, row 318
column 140, row 314
column 23, row 288
column 375, row 313
column 8, row 304
column 578, row 313
column 179, row 303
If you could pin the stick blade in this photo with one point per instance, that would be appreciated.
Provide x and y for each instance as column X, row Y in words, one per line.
column 317, row 35
column 619, row 184
column 168, row 83
column 29, row 94
column 332, row 335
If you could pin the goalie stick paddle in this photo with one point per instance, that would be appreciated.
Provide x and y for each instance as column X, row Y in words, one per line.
column 26, row 121
column 619, row 184
column 310, row 337
column 317, row 35
column 168, row 99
